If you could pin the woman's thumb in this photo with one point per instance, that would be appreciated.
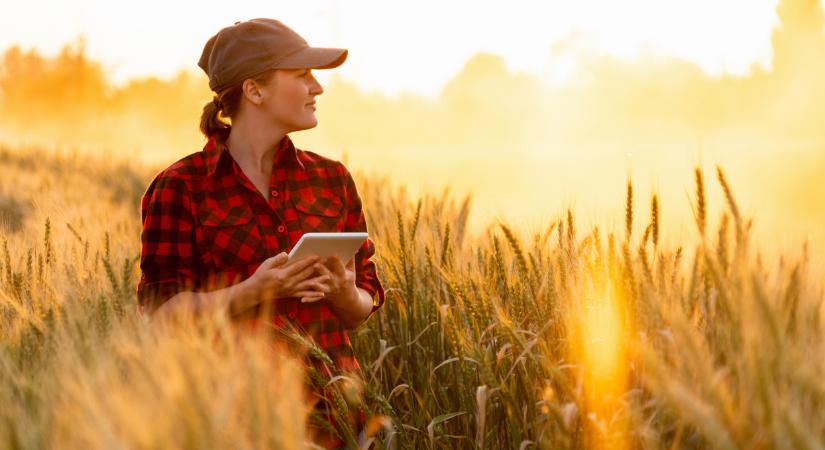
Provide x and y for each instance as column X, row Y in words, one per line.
column 278, row 260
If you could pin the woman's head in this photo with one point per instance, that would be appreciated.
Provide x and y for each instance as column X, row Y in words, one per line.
column 261, row 66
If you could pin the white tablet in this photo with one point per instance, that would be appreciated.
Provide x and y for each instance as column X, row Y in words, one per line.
column 345, row 245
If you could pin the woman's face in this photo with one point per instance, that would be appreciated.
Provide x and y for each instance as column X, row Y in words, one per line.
column 289, row 98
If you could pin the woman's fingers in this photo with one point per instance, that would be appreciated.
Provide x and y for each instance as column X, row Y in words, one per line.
column 298, row 266
column 338, row 267
column 308, row 293
column 309, row 299
column 302, row 275
column 279, row 260
column 309, row 296
column 275, row 261
column 319, row 283
column 323, row 270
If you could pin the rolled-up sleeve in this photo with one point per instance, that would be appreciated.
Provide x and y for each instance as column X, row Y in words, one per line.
column 366, row 276
column 167, row 260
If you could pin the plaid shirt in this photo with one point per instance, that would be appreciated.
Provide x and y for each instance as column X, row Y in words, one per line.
column 206, row 226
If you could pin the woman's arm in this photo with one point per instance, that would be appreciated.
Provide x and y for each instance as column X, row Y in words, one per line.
column 224, row 301
column 352, row 304
column 275, row 278
column 355, row 310
column 168, row 254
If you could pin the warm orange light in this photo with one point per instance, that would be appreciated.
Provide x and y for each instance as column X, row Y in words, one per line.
column 600, row 349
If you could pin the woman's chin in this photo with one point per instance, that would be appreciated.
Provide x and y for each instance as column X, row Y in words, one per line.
column 306, row 125
column 310, row 123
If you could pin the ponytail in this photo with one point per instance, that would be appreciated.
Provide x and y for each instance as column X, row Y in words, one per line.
column 225, row 105
column 211, row 123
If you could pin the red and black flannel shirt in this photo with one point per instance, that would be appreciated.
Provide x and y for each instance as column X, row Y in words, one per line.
column 206, row 226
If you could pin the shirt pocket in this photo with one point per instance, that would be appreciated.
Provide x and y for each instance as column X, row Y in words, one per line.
column 319, row 210
column 231, row 236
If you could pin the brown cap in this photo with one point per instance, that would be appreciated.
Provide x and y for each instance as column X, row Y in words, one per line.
column 248, row 48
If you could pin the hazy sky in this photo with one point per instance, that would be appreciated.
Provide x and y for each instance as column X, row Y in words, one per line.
column 401, row 46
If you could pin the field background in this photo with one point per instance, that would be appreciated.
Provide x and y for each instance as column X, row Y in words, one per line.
column 630, row 259
column 571, row 338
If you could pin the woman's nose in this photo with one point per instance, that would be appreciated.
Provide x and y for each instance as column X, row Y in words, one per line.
column 316, row 88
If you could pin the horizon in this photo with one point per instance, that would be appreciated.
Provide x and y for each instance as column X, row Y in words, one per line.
column 533, row 37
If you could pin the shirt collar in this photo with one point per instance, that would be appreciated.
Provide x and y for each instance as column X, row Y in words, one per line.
column 215, row 152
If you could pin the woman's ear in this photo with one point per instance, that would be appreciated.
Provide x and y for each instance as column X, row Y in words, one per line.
column 252, row 91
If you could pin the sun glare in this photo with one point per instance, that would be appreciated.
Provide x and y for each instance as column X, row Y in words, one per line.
column 600, row 348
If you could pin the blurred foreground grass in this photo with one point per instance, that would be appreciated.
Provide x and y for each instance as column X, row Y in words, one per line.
column 573, row 336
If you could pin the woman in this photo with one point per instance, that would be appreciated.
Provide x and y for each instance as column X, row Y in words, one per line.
column 213, row 220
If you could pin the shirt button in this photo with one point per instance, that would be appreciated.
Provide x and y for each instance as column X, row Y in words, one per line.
column 292, row 315
column 274, row 193
column 281, row 229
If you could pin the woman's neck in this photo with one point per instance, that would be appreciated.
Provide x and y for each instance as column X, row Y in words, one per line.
column 253, row 145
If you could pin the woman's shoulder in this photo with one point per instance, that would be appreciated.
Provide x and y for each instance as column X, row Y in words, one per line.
column 312, row 160
column 182, row 174
column 188, row 167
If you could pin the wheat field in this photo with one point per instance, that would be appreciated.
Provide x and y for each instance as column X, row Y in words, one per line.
column 572, row 336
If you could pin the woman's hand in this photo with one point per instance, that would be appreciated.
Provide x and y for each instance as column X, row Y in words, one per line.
column 350, row 303
column 340, row 280
column 277, row 278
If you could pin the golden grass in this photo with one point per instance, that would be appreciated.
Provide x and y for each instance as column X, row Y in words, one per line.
column 501, row 340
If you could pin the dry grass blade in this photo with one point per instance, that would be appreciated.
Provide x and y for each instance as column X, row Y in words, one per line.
column 734, row 209
column 701, row 206
column 516, row 248
column 654, row 219
column 628, row 211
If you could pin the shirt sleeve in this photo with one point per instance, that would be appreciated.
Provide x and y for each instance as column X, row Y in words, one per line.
column 166, row 259
column 366, row 276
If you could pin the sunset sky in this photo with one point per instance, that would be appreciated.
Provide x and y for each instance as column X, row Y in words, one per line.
column 403, row 46
column 645, row 102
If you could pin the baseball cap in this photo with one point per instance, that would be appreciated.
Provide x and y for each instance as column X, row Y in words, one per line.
column 247, row 48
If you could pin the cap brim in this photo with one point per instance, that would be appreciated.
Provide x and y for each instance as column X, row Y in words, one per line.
column 315, row 58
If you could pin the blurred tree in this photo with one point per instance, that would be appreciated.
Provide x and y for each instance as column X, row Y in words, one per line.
column 37, row 89
column 799, row 41
column 487, row 104
column 797, row 89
